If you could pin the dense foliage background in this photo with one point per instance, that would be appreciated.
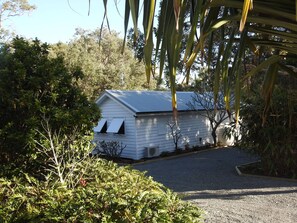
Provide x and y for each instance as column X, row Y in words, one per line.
column 98, row 54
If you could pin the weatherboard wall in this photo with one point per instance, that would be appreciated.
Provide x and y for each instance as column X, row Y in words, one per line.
column 154, row 131
column 111, row 109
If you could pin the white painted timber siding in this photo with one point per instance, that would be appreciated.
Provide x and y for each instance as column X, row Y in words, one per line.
column 222, row 138
column 111, row 109
column 153, row 131
column 195, row 129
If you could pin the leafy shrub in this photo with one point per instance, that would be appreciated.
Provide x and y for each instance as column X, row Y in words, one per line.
column 275, row 139
column 34, row 87
column 105, row 193
column 79, row 188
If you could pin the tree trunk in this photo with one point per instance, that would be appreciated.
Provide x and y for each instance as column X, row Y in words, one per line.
column 214, row 136
column 214, row 127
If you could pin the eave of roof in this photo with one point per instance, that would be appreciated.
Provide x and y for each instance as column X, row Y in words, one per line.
column 107, row 94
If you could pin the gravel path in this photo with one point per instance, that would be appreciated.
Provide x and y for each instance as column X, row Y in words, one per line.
column 209, row 180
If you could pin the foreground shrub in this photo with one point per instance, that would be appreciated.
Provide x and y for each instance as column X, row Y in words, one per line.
column 104, row 193
column 74, row 187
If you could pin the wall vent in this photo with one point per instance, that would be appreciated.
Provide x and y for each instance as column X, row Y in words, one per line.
column 152, row 151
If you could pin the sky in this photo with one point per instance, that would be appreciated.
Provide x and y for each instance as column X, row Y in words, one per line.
column 56, row 20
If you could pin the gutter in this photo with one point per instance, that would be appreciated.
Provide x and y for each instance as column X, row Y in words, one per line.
column 163, row 113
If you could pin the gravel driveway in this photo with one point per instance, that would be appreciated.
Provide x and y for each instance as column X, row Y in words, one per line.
column 209, row 179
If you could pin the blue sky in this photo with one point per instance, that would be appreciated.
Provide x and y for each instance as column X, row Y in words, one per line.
column 56, row 20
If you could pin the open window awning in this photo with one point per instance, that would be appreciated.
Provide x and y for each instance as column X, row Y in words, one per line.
column 116, row 126
column 101, row 127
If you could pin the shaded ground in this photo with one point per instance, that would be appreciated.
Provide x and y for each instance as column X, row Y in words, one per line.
column 209, row 179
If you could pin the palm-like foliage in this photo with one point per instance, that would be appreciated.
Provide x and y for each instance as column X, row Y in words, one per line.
column 266, row 27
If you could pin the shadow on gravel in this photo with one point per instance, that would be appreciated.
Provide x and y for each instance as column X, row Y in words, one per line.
column 235, row 196
column 209, row 170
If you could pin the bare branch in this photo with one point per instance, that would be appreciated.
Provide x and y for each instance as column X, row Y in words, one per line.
column 215, row 113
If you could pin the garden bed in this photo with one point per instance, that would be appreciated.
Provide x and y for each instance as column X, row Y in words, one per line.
column 256, row 169
column 121, row 160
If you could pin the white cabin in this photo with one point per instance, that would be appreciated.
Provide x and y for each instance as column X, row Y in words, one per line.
column 139, row 120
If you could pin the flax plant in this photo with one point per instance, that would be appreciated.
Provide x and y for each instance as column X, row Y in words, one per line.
column 265, row 28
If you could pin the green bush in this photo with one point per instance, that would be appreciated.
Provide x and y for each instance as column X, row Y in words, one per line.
column 34, row 88
column 273, row 139
column 104, row 193
column 78, row 188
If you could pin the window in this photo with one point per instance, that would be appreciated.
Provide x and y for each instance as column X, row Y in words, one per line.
column 101, row 127
column 116, row 126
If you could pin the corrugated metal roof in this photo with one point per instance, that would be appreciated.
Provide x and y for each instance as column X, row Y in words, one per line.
column 150, row 101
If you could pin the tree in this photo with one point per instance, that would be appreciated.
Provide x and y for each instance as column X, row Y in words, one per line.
column 11, row 8
column 136, row 45
column 175, row 133
column 34, row 88
column 215, row 112
column 98, row 54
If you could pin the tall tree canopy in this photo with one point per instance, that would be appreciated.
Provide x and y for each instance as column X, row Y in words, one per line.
column 98, row 54
column 11, row 8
